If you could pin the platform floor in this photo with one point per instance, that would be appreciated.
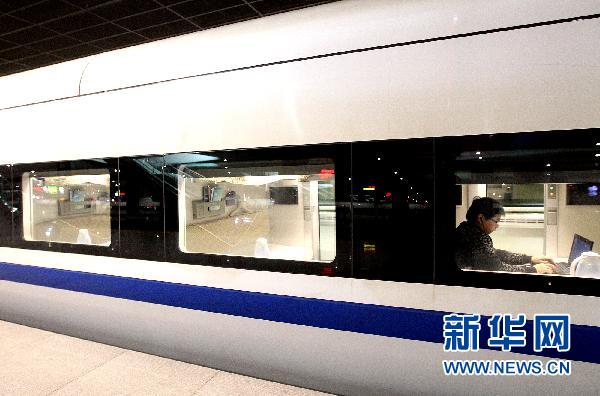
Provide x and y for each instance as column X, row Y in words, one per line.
column 37, row 362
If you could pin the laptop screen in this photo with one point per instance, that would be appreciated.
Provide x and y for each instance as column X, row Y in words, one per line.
column 580, row 245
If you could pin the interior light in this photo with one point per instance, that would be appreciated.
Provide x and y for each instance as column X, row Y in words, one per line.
column 480, row 157
column 597, row 155
column 478, row 153
column 395, row 173
column 548, row 164
column 378, row 158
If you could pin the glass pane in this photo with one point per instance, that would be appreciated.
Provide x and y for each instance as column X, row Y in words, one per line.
column 392, row 205
column 258, row 209
column 141, row 208
column 543, row 214
column 68, row 207
column 6, row 205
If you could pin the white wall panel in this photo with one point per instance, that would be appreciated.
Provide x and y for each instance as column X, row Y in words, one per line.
column 330, row 28
column 335, row 361
column 534, row 79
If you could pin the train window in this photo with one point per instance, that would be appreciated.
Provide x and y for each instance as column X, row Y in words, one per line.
column 392, row 207
column 530, row 203
column 258, row 209
column 67, row 207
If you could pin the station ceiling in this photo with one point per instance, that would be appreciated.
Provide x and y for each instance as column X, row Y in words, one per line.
column 36, row 33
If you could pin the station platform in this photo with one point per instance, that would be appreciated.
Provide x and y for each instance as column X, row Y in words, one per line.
column 38, row 362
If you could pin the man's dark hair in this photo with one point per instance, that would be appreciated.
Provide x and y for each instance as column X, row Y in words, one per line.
column 488, row 207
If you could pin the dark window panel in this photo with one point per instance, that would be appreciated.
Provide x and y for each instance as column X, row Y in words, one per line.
column 197, row 7
column 141, row 203
column 44, row 11
column 392, row 200
column 6, row 205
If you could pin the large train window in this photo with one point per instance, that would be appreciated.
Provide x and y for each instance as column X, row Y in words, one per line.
column 67, row 207
column 530, row 203
column 258, row 209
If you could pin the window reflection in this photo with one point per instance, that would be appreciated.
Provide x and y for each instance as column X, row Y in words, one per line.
column 67, row 208
column 284, row 212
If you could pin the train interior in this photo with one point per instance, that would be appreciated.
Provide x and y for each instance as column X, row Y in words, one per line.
column 540, row 218
column 256, row 213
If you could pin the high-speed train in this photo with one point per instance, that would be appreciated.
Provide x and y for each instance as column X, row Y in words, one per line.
column 279, row 197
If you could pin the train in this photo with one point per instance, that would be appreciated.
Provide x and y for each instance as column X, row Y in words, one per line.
column 278, row 197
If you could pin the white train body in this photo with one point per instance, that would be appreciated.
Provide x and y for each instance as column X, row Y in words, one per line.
column 349, row 71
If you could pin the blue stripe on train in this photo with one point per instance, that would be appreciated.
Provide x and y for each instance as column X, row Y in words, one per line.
column 406, row 323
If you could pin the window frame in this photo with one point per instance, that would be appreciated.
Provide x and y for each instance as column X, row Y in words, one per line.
column 338, row 153
column 446, row 271
column 19, row 241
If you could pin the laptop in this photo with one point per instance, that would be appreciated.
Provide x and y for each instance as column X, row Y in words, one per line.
column 579, row 246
